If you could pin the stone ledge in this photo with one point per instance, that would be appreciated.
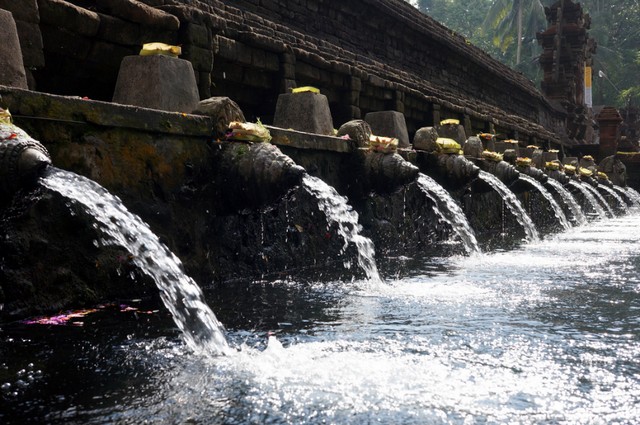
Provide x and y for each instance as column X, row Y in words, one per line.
column 26, row 104
column 302, row 140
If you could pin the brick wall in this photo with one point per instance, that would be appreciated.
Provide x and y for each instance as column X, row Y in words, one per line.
column 365, row 55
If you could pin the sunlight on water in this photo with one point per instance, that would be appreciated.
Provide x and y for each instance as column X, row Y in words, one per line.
column 547, row 333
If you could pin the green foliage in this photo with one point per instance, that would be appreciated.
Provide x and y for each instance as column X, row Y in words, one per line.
column 492, row 25
column 615, row 25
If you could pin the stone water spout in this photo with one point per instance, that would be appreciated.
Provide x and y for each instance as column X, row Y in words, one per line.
column 525, row 167
column 386, row 172
column 445, row 162
column 492, row 163
column 22, row 159
column 254, row 174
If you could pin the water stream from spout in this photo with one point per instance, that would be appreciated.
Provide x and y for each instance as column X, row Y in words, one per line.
column 600, row 199
column 618, row 198
column 569, row 200
column 340, row 213
column 449, row 211
column 590, row 198
column 180, row 294
column 557, row 210
column 512, row 203
column 633, row 194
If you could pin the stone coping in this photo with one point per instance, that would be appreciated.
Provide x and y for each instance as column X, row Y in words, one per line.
column 26, row 104
column 303, row 140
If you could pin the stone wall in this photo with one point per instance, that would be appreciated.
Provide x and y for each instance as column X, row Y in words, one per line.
column 365, row 55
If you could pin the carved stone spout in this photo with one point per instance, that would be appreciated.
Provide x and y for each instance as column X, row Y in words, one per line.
column 22, row 159
column 252, row 175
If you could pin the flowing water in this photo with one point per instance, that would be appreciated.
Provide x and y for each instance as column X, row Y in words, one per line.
column 621, row 203
column 340, row 213
column 590, row 198
column 557, row 210
column 181, row 295
column 569, row 201
column 449, row 211
column 633, row 194
column 600, row 199
column 547, row 334
column 512, row 203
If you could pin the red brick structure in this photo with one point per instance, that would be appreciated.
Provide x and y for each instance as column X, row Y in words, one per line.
column 609, row 121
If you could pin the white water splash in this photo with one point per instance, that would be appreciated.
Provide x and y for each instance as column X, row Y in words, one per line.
column 590, row 198
column 600, row 199
column 513, row 204
column 449, row 211
column 569, row 200
column 180, row 294
column 339, row 212
column 618, row 198
column 557, row 210
column 633, row 194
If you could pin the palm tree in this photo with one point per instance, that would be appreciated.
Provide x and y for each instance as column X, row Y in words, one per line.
column 512, row 20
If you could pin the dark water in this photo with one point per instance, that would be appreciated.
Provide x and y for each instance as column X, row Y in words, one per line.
column 549, row 333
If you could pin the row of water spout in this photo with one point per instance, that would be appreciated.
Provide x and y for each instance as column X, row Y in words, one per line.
column 184, row 299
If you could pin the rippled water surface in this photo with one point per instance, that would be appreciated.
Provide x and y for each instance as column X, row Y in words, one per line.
column 549, row 333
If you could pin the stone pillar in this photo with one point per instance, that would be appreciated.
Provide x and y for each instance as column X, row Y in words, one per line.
column 389, row 124
column 12, row 71
column 157, row 82
column 307, row 111
column 609, row 122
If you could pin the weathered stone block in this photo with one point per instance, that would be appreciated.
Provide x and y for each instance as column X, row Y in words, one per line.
column 192, row 15
column 425, row 139
column 109, row 55
column 204, row 84
column 11, row 66
column 22, row 10
column 244, row 53
column 119, row 31
column 198, row 35
column 473, row 147
column 201, row 59
column 305, row 70
column 389, row 124
column 227, row 48
column 223, row 110
column 357, row 130
column 62, row 14
column 308, row 112
column 289, row 70
column 257, row 78
column 157, row 82
column 271, row 62
column 258, row 59
column 138, row 12
column 452, row 131
column 31, row 44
